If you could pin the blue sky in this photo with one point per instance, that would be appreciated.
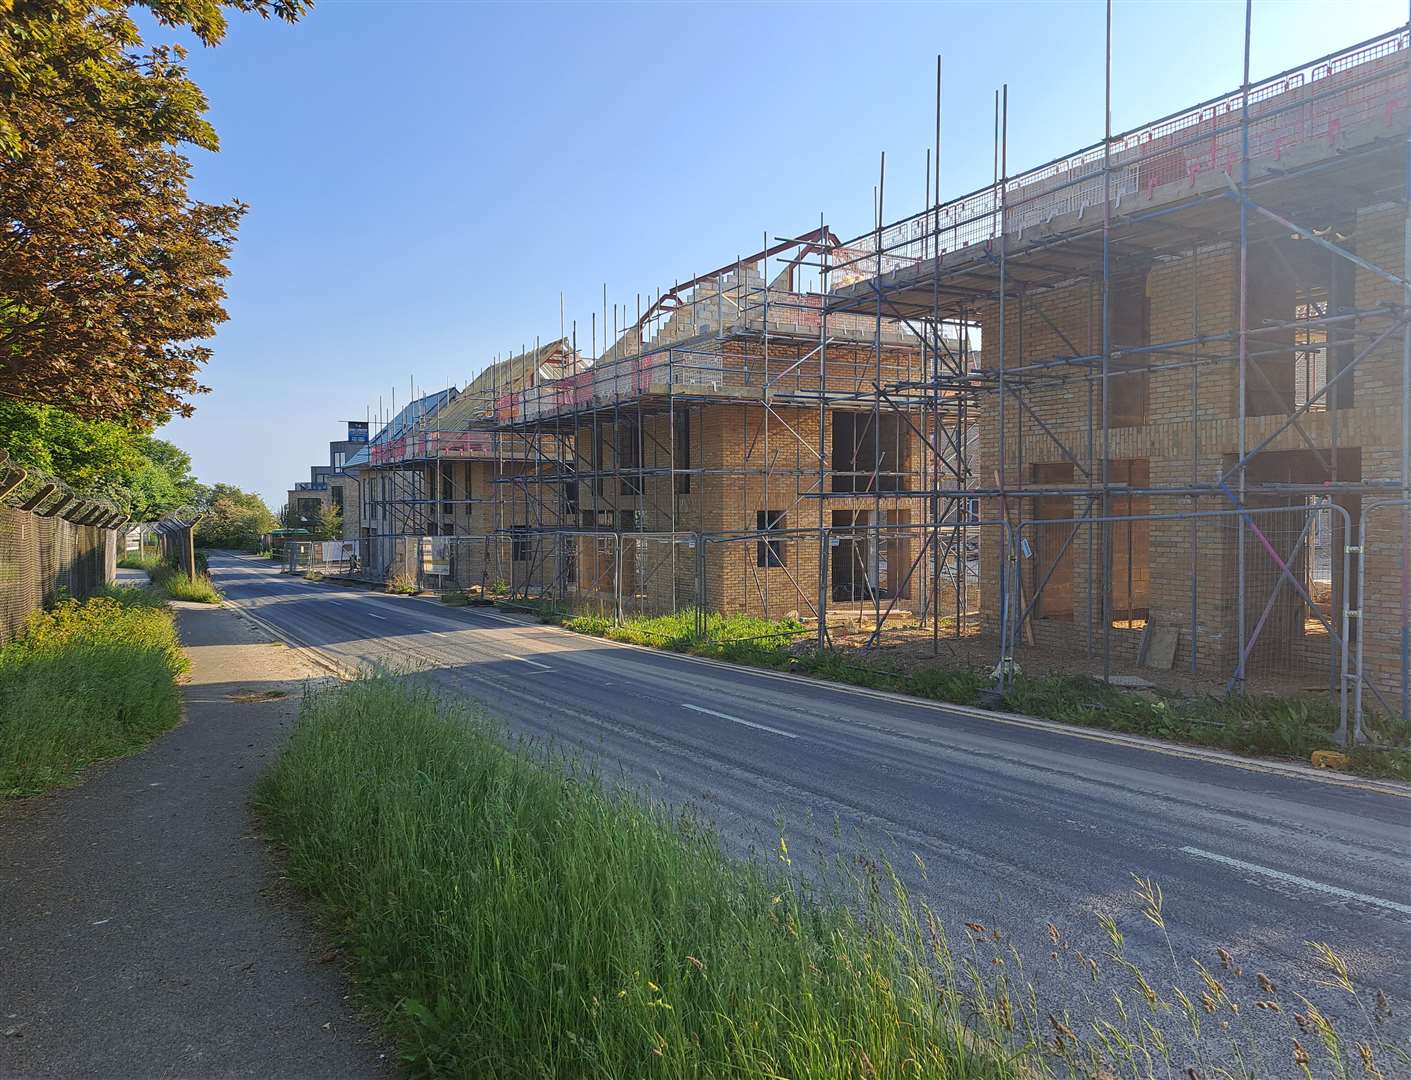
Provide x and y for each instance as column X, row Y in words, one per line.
column 424, row 179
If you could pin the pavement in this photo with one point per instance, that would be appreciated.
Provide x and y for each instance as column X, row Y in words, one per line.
column 1018, row 824
column 130, row 578
column 144, row 927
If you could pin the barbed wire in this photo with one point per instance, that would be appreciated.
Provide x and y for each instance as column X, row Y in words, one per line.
column 39, row 493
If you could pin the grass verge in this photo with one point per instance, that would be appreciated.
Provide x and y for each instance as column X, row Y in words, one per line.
column 86, row 681
column 178, row 585
column 514, row 918
column 511, row 916
column 1255, row 724
column 175, row 584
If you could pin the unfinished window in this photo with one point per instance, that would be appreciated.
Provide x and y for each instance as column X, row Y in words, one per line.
column 895, row 568
column 1310, row 348
column 629, row 521
column 1129, row 576
column 336, row 494
column 519, row 545
column 448, row 489
column 869, row 457
column 629, row 457
column 1294, row 294
column 599, row 462
column 1289, row 626
column 1128, row 380
column 1051, row 564
column 866, row 563
column 769, row 553
column 682, row 451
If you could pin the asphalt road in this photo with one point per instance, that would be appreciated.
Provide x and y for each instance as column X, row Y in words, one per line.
column 1018, row 825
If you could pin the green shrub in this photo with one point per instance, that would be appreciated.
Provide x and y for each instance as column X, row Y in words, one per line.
column 402, row 585
column 960, row 686
column 678, row 631
column 86, row 681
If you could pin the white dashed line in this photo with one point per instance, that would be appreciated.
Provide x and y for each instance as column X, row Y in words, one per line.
column 525, row 660
column 1302, row 882
column 737, row 720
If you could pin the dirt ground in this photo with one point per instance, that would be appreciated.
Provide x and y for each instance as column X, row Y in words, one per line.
column 910, row 647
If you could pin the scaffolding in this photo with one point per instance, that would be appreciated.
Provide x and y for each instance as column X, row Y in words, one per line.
column 1296, row 187
column 1138, row 406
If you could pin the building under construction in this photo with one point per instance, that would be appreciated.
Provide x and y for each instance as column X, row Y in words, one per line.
column 1141, row 409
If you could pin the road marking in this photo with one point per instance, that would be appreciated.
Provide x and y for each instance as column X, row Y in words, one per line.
column 525, row 660
column 499, row 618
column 1294, row 879
column 374, row 615
column 736, row 719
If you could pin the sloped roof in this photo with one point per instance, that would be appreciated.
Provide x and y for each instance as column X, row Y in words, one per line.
column 414, row 411
column 518, row 371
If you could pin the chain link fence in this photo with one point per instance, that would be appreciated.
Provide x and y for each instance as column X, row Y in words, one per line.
column 1381, row 625
column 46, row 558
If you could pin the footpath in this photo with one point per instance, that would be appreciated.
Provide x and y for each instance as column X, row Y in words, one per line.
column 145, row 930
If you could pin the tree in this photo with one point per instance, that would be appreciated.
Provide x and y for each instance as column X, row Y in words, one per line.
column 110, row 275
column 234, row 519
column 328, row 523
column 85, row 58
column 145, row 477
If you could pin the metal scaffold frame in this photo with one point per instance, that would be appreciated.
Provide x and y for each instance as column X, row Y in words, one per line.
column 918, row 327
column 950, row 258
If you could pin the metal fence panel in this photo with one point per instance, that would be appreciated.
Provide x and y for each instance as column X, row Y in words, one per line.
column 44, row 559
column 1381, row 666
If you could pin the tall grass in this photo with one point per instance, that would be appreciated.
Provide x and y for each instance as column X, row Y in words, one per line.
column 516, row 919
column 198, row 589
column 178, row 585
column 511, row 916
column 86, row 681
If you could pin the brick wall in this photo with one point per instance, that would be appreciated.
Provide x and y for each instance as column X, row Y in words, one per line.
column 1191, row 436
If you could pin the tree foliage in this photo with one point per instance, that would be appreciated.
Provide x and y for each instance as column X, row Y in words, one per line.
column 110, row 274
column 233, row 519
column 146, row 477
column 327, row 523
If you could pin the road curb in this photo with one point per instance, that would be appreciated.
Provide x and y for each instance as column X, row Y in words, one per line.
column 312, row 653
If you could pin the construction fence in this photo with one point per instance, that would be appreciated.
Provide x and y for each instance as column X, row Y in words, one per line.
column 44, row 559
column 1148, row 597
